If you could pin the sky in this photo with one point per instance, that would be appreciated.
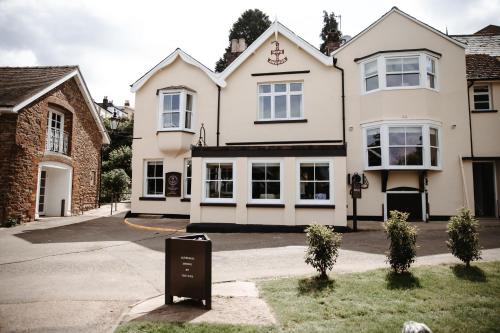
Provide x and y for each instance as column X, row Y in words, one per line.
column 116, row 42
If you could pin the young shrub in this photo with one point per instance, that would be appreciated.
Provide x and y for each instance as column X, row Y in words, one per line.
column 403, row 237
column 463, row 236
column 323, row 248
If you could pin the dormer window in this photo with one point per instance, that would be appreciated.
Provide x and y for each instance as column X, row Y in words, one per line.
column 176, row 110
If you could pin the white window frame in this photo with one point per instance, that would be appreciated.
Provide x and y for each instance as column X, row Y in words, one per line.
column 182, row 109
column 366, row 76
column 61, row 130
column 250, row 181
column 330, row 201
column 384, row 141
column 145, row 179
column 381, row 71
column 185, row 194
column 487, row 85
column 204, row 185
column 287, row 93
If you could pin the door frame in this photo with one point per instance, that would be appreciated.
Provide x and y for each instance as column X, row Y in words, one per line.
column 424, row 205
column 40, row 213
column 495, row 187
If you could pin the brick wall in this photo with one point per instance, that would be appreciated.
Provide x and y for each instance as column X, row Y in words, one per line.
column 23, row 155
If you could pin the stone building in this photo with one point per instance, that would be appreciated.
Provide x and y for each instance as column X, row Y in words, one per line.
column 50, row 143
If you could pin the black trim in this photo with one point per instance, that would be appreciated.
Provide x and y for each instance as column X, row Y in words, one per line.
column 334, row 60
column 481, row 158
column 218, row 114
column 175, row 216
column 175, row 131
column 284, row 121
column 439, row 217
column 152, row 198
column 403, row 188
column 281, row 73
column 394, row 51
column 281, row 142
column 367, row 218
column 185, row 199
column 243, row 228
column 218, row 204
column 315, row 206
column 484, row 111
column 268, row 151
column 263, row 205
column 384, row 177
column 469, row 85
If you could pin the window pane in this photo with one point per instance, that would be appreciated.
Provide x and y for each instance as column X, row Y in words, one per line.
column 212, row 171
column 188, row 186
column 273, row 172
column 393, row 65
column 295, row 106
column 265, row 107
column 322, row 171
column 150, row 186
column 413, row 135
column 212, row 189
column 258, row 171
column 151, row 169
column 434, row 156
column 480, row 88
column 431, row 81
column 295, row 86
column 306, row 190
column 188, row 120
column 433, row 132
column 411, row 79
column 374, row 157
column 373, row 137
column 159, row 169
column 371, row 83
column 481, row 98
column 273, row 190
column 371, row 68
column 171, row 102
column 306, row 171
column 280, row 106
column 188, row 168
column 189, row 102
column 482, row 105
column 226, row 171
column 394, row 80
column 226, row 189
column 414, row 156
column 431, row 66
column 281, row 87
column 410, row 64
column 397, row 155
column 158, row 186
column 322, row 191
column 171, row 120
column 396, row 136
column 258, row 190
column 265, row 88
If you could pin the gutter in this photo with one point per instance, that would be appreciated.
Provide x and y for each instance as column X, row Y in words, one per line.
column 218, row 114
column 343, row 98
column 469, row 85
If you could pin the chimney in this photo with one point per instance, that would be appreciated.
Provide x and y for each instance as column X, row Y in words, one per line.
column 127, row 103
column 234, row 45
column 331, row 43
column 105, row 102
column 242, row 45
column 237, row 46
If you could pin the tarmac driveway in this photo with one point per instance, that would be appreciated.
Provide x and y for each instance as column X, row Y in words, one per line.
column 80, row 277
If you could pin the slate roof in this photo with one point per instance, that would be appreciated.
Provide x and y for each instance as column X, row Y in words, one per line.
column 20, row 83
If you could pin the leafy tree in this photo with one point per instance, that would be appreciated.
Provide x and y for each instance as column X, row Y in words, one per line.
column 330, row 31
column 323, row 248
column 115, row 182
column 403, row 237
column 121, row 136
column 250, row 25
column 464, row 237
column 120, row 158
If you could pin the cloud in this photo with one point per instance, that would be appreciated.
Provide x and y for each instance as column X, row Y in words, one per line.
column 17, row 58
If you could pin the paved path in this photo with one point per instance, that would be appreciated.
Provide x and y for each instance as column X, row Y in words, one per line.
column 79, row 275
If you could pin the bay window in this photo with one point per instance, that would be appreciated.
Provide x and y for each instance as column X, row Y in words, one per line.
column 153, row 178
column 280, row 101
column 315, row 182
column 431, row 72
column 265, row 182
column 402, row 145
column 176, row 110
column 402, row 72
column 371, row 75
column 218, row 181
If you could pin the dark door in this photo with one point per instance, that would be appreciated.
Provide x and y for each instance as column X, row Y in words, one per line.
column 406, row 202
column 484, row 188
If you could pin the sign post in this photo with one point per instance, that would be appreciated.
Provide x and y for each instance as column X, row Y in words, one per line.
column 355, row 194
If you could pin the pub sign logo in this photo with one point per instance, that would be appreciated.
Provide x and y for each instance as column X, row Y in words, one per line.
column 173, row 184
column 277, row 53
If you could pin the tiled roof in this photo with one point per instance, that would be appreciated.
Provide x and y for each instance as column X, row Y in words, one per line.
column 489, row 30
column 482, row 66
column 20, row 83
column 481, row 44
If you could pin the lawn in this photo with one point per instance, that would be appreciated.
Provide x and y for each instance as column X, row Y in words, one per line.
column 446, row 298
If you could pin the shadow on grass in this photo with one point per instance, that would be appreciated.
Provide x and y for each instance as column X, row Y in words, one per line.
column 315, row 285
column 471, row 273
column 404, row 280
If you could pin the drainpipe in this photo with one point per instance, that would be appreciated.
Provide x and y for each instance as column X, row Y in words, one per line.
column 218, row 114
column 469, row 84
column 343, row 98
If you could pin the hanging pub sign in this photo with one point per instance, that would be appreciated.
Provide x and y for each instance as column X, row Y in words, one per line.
column 173, row 184
column 277, row 53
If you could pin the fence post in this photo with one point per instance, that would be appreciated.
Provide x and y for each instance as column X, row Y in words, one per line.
column 111, row 203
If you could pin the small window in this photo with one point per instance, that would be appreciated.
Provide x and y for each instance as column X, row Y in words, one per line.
column 153, row 183
column 402, row 72
column 187, row 178
column 280, row 101
column 405, row 146
column 219, row 181
column 434, row 146
column 371, row 75
column 176, row 110
column 373, row 145
column 482, row 97
column 314, row 181
column 431, row 72
column 265, row 181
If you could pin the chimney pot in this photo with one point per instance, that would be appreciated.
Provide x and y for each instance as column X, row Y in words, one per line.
column 242, row 45
column 127, row 102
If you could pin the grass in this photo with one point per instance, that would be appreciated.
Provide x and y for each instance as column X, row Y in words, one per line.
column 446, row 298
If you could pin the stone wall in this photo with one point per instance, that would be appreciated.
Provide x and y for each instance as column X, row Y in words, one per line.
column 22, row 151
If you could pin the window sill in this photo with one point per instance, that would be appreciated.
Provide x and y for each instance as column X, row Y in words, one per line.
column 484, row 111
column 185, row 199
column 218, row 204
column 265, row 205
column 176, row 130
column 315, row 206
column 398, row 88
column 152, row 198
column 280, row 121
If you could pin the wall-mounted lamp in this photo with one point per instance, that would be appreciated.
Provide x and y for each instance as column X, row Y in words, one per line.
column 453, row 126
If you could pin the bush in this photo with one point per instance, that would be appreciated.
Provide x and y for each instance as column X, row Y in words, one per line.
column 403, row 237
column 119, row 158
column 464, row 237
column 115, row 182
column 323, row 248
column 11, row 222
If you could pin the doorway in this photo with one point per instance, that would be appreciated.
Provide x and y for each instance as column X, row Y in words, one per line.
column 405, row 199
column 41, row 193
column 484, row 189
column 54, row 189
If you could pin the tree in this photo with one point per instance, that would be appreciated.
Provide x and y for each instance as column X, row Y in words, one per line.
column 323, row 248
column 121, row 136
column 463, row 236
column 115, row 182
column 120, row 158
column 330, row 31
column 250, row 25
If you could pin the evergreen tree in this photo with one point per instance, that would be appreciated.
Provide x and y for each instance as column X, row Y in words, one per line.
column 250, row 25
column 330, row 31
